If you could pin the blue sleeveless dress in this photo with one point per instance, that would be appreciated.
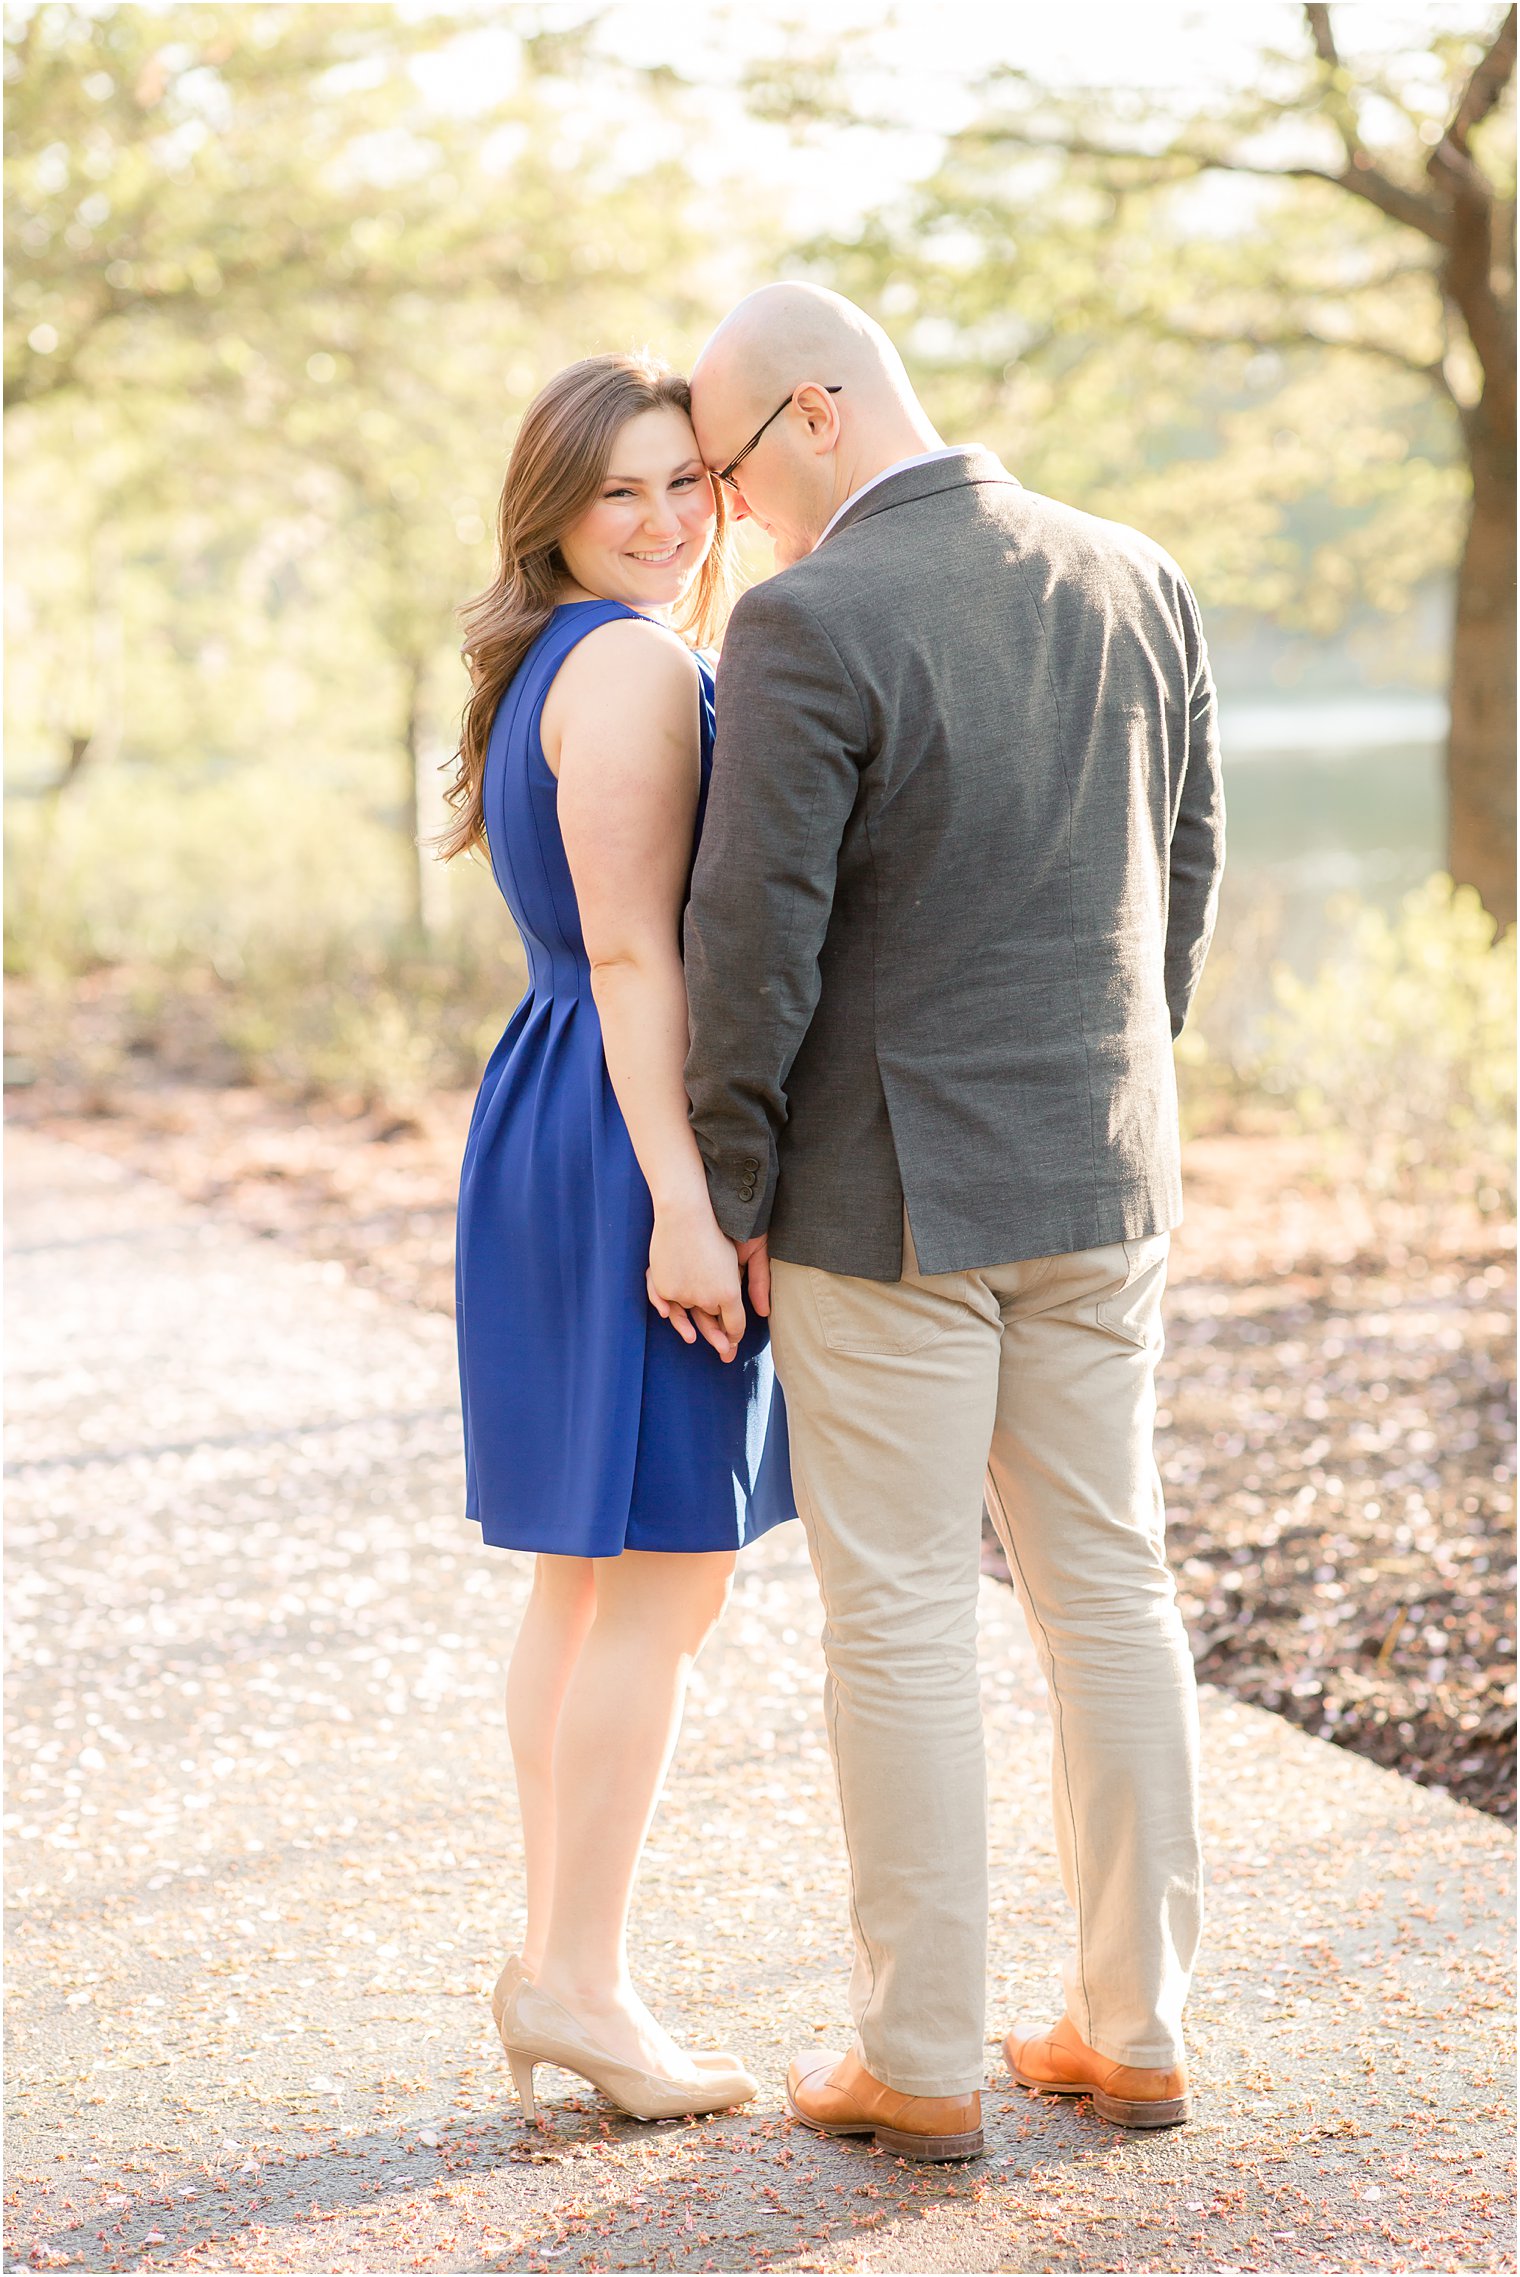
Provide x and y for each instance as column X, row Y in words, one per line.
column 589, row 1426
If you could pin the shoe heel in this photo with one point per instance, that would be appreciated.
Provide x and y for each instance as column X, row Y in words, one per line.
column 522, row 2080
column 930, row 2149
column 1173, row 2111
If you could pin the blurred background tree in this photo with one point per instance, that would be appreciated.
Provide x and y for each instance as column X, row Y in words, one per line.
column 1275, row 328
column 273, row 311
column 283, row 277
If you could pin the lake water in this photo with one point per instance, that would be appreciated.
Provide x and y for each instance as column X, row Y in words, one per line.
column 1329, row 796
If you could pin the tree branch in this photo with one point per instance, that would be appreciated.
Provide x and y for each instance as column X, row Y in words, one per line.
column 1483, row 89
column 1364, row 180
column 1303, row 336
column 1339, row 106
column 1360, row 177
column 1467, row 274
column 1322, row 35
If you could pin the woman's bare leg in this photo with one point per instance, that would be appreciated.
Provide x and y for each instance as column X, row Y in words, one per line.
column 617, row 1728
column 554, row 1627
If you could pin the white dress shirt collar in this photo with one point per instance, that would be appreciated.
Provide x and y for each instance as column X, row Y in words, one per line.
column 898, row 466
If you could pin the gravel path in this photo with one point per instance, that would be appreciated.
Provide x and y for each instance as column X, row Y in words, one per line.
column 1338, row 1426
column 262, row 1867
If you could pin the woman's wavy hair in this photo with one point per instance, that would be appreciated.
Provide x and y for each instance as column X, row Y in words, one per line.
column 555, row 472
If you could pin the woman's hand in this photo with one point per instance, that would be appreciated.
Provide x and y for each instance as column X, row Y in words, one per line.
column 693, row 1277
column 755, row 1264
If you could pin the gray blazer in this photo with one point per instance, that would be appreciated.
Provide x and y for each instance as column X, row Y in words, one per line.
column 956, row 883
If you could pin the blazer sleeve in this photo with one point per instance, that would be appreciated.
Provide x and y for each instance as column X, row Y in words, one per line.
column 1196, row 857
column 785, row 778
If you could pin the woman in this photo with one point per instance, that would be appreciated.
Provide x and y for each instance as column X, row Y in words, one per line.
column 634, row 1457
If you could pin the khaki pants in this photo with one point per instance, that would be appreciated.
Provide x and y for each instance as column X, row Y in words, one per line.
column 902, row 1397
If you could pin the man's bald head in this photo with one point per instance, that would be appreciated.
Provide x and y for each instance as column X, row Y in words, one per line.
column 830, row 388
column 785, row 334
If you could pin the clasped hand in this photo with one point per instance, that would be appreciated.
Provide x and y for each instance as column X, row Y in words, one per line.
column 695, row 1279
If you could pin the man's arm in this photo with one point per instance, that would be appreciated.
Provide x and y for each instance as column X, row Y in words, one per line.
column 786, row 775
column 1197, row 848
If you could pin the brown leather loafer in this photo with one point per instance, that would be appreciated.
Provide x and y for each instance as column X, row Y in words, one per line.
column 836, row 2095
column 1059, row 2062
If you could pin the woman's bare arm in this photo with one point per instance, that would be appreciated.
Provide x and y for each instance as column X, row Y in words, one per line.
column 620, row 729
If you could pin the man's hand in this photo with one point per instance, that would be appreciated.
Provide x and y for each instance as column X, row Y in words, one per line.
column 693, row 1279
column 755, row 1264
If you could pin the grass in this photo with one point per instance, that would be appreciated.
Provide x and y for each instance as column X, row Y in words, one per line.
column 1396, row 1053
column 240, row 929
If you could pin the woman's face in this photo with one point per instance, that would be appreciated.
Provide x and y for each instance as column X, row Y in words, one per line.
column 648, row 531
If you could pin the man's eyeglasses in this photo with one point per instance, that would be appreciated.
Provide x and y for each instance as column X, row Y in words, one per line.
column 726, row 473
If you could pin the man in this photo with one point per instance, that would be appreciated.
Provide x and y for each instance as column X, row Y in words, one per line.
column 955, row 889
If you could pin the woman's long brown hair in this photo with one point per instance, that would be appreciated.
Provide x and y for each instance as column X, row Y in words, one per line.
column 557, row 467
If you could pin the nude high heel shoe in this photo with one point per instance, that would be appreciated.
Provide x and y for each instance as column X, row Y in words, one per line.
column 513, row 1974
column 535, row 2029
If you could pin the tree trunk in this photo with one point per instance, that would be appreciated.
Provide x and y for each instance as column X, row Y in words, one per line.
column 424, row 814
column 1480, row 752
column 95, row 698
column 414, row 911
column 80, row 747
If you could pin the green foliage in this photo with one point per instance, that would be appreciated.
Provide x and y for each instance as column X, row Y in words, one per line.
column 215, row 193
column 272, row 314
column 1168, row 309
column 235, row 927
column 1398, row 1051
column 1403, row 1043
column 274, row 307
column 375, row 1024
column 273, row 311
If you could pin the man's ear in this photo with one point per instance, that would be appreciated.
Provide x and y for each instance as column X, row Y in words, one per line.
column 821, row 412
